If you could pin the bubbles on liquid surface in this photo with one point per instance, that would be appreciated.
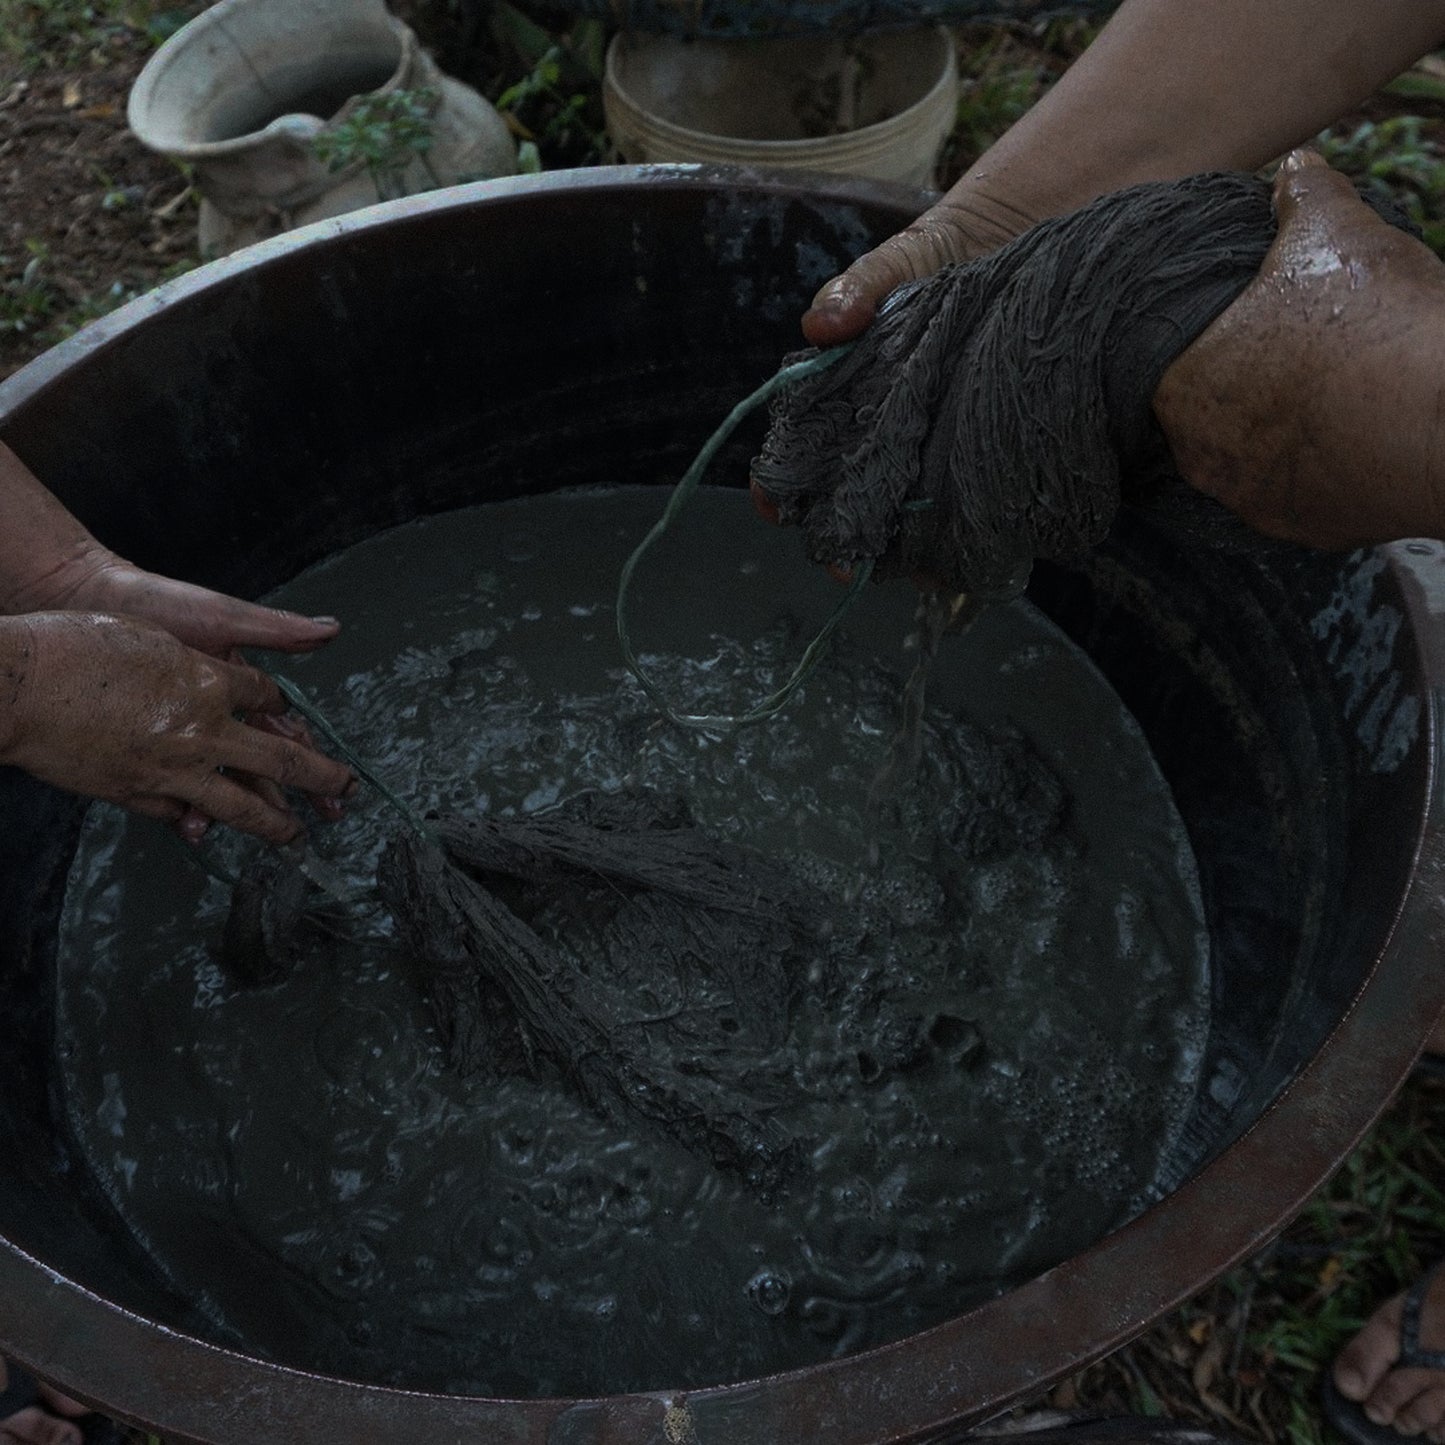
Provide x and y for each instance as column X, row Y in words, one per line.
column 492, row 1236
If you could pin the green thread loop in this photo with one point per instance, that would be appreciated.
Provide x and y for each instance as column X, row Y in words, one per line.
column 682, row 493
column 317, row 719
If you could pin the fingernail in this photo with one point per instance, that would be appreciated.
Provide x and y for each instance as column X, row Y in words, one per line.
column 830, row 312
column 1378, row 1414
column 1351, row 1384
column 324, row 621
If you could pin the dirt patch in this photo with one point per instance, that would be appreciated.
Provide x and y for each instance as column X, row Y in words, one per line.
column 88, row 217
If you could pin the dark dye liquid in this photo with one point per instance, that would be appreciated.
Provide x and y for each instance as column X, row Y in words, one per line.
column 301, row 1160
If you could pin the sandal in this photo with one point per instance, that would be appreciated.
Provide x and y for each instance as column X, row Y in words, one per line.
column 1348, row 1418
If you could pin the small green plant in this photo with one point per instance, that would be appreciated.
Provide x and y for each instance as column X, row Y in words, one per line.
column 998, row 81
column 555, row 107
column 160, row 25
column 1398, row 157
column 33, row 306
column 30, row 26
column 385, row 132
column 62, row 32
column 27, row 297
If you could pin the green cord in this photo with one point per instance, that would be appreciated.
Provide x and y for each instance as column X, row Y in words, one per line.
column 681, row 495
column 313, row 715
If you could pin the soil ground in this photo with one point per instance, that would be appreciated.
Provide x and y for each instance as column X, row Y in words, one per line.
column 88, row 219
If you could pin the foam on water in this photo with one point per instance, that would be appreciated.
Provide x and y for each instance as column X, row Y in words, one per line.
column 300, row 1160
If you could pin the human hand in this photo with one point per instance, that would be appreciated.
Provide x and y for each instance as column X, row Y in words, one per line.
column 49, row 562
column 1310, row 407
column 965, row 224
column 91, row 578
column 122, row 710
column 994, row 411
column 43, row 1414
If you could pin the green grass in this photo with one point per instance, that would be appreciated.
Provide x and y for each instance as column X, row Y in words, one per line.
column 34, row 306
column 1370, row 1233
column 553, row 97
column 57, row 33
column 1401, row 157
column 28, row 300
column 1249, row 1354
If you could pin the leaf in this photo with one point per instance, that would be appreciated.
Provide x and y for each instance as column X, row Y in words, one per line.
column 1149, row 1403
column 529, row 158
column 1216, row 1406
column 161, row 26
column 589, row 46
column 530, row 40
column 1206, row 1367
column 1416, row 85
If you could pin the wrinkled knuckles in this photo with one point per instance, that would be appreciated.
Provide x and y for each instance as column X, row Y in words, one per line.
column 249, row 814
column 290, row 763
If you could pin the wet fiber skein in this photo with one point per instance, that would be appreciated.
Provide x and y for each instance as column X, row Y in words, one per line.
column 1000, row 410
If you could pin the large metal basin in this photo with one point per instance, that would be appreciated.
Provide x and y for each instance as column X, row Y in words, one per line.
column 247, row 419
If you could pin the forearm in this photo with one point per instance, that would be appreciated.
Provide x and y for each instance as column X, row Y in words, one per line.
column 1344, row 451
column 1174, row 87
column 41, row 543
column 49, row 562
column 1314, row 406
